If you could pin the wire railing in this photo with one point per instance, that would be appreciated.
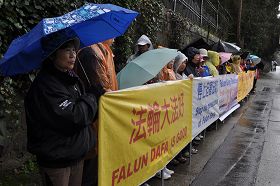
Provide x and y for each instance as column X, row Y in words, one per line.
column 213, row 17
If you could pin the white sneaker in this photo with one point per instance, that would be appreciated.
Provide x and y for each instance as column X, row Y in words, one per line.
column 197, row 138
column 168, row 171
column 165, row 175
column 194, row 151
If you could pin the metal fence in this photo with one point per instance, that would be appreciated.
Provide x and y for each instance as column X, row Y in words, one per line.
column 211, row 16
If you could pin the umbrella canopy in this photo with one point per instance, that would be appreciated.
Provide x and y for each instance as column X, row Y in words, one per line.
column 199, row 43
column 244, row 55
column 145, row 67
column 255, row 59
column 92, row 23
column 222, row 46
column 224, row 56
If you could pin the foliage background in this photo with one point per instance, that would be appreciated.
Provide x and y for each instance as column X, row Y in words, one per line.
column 259, row 25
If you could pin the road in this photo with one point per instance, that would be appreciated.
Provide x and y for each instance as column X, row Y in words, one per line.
column 245, row 150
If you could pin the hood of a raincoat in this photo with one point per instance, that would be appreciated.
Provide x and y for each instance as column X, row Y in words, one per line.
column 213, row 57
column 236, row 59
column 143, row 40
column 178, row 61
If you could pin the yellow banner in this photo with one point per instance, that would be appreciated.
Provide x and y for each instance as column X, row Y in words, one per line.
column 245, row 84
column 141, row 130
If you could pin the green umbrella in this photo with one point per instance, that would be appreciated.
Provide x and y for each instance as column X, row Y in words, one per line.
column 145, row 67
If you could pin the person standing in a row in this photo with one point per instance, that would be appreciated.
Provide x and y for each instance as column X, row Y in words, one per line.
column 193, row 55
column 97, row 69
column 59, row 114
column 143, row 45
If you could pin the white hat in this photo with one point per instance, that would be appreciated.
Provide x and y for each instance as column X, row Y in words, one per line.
column 203, row 52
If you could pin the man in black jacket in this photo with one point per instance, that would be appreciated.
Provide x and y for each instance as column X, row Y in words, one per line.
column 59, row 114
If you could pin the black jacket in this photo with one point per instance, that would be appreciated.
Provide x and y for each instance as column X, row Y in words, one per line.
column 58, row 117
column 191, row 69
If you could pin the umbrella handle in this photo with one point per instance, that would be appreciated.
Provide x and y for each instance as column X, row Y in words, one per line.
column 84, row 71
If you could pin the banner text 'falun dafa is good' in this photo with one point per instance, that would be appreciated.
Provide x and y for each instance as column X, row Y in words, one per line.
column 141, row 130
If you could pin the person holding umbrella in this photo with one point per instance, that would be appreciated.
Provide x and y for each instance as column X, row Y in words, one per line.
column 59, row 114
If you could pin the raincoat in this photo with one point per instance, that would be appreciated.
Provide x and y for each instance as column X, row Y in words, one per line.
column 212, row 62
column 177, row 63
column 167, row 74
column 98, row 63
column 236, row 64
column 229, row 68
column 143, row 40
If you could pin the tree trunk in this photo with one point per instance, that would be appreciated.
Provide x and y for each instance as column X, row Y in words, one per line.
column 239, row 14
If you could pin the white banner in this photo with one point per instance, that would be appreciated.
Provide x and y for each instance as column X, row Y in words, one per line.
column 228, row 89
column 205, row 103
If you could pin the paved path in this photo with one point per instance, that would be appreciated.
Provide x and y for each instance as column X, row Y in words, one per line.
column 245, row 150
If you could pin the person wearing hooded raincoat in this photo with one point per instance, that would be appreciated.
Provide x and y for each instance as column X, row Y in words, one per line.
column 229, row 67
column 236, row 64
column 179, row 65
column 213, row 61
column 143, row 45
column 59, row 114
column 96, row 68
column 167, row 73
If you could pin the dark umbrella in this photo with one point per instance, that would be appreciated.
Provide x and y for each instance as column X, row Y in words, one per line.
column 222, row 46
column 244, row 55
column 198, row 43
column 260, row 65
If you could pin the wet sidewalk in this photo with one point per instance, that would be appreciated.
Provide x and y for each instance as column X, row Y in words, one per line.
column 245, row 149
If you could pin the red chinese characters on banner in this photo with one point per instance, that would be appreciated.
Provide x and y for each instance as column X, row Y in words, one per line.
column 181, row 105
column 177, row 105
column 140, row 125
column 153, row 121
column 146, row 121
column 165, row 108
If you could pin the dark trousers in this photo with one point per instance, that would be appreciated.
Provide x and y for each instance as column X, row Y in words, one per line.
column 90, row 173
column 254, row 84
column 68, row 176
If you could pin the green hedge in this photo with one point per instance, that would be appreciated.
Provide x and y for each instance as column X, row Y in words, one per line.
column 19, row 16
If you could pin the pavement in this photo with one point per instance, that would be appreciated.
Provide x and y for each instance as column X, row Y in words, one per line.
column 245, row 150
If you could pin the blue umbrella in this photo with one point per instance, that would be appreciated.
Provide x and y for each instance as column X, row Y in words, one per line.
column 92, row 23
column 145, row 67
column 255, row 59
